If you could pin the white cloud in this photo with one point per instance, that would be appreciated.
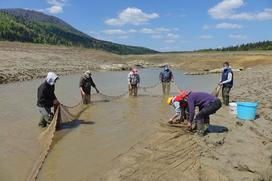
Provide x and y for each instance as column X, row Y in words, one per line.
column 238, row 36
column 159, row 30
column 132, row 31
column 157, row 36
column 147, row 31
column 56, row 6
column 206, row 27
column 265, row 15
column 115, row 32
column 227, row 10
column 223, row 26
column 132, row 16
column 56, row 2
column 228, row 26
column 206, row 37
column 55, row 9
column 169, row 41
column 172, row 36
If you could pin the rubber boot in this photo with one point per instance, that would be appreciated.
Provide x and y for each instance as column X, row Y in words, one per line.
column 48, row 118
column 42, row 123
column 200, row 128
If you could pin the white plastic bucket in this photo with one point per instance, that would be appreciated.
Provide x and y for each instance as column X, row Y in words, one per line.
column 233, row 108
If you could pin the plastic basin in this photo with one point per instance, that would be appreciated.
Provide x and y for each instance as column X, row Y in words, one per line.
column 247, row 110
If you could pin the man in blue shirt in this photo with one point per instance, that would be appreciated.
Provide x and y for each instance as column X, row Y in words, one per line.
column 226, row 82
column 166, row 76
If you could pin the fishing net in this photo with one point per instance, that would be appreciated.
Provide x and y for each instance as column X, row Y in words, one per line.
column 216, row 91
column 67, row 115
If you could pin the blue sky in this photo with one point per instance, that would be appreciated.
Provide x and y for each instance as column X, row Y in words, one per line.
column 160, row 24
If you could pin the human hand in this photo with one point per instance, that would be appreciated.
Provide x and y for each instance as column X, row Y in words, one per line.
column 97, row 91
column 190, row 126
column 56, row 102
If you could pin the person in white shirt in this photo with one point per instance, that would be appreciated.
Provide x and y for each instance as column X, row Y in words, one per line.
column 226, row 82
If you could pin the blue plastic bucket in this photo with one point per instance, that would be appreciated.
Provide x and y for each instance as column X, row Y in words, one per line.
column 247, row 110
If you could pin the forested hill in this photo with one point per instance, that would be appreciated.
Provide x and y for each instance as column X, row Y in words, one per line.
column 263, row 45
column 35, row 27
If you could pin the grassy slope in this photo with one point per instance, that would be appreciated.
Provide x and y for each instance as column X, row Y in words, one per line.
column 36, row 27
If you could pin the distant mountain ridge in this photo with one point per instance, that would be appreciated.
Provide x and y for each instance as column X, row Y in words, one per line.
column 262, row 45
column 36, row 27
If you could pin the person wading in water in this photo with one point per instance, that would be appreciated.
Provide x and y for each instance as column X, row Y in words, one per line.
column 85, row 84
column 133, row 82
column 47, row 99
column 166, row 76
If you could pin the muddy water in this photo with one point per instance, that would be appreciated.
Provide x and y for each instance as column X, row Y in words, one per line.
column 82, row 152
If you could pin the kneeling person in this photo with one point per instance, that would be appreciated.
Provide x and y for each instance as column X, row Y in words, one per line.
column 47, row 99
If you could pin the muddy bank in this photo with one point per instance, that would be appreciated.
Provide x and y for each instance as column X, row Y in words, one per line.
column 244, row 152
column 24, row 61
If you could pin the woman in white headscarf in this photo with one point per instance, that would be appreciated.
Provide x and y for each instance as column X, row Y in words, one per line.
column 47, row 99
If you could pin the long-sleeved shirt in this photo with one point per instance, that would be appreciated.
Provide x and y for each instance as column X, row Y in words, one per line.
column 46, row 95
column 198, row 99
column 133, row 78
column 86, row 84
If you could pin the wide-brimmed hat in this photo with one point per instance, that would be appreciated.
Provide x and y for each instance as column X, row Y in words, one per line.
column 88, row 74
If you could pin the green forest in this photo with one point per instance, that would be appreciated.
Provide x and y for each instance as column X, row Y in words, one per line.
column 35, row 27
column 263, row 45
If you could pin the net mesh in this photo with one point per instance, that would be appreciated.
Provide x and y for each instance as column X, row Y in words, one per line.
column 65, row 115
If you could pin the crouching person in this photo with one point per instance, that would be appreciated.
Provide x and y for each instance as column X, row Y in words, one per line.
column 207, row 104
column 47, row 99
column 180, row 105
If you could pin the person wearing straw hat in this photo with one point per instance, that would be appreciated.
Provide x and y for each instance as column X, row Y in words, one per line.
column 133, row 82
column 47, row 99
column 166, row 76
column 180, row 106
column 226, row 82
column 85, row 84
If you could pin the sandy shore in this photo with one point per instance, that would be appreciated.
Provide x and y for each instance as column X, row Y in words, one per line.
column 244, row 152
column 24, row 61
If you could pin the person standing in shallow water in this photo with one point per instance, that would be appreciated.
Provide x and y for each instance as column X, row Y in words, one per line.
column 47, row 99
column 85, row 84
column 226, row 82
column 166, row 76
column 133, row 82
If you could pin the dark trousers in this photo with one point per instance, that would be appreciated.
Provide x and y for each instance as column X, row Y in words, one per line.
column 133, row 90
column 204, row 114
column 225, row 95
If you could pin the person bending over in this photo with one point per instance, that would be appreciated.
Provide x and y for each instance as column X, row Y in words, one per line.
column 47, row 99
